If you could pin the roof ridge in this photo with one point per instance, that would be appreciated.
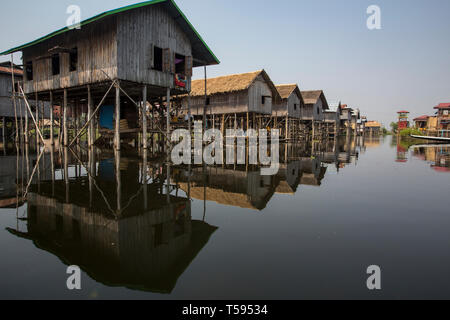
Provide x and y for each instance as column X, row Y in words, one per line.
column 232, row 75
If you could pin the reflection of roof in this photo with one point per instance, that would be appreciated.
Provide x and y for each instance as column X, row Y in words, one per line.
column 222, row 197
column 441, row 169
column 284, row 188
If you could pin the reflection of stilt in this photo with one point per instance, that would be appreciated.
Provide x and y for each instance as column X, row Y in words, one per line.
column 52, row 161
column 66, row 174
column 145, row 173
column 118, row 182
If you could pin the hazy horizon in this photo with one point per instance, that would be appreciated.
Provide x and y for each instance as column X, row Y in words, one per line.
column 318, row 44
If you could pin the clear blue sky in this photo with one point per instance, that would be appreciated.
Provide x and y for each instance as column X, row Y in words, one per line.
column 319, row 44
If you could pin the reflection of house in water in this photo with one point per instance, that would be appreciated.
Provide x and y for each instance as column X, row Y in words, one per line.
column 248, row 190
column 140, row 248
column 312, row 171
column 288, row 177
column 14, row 169
column 437, row 155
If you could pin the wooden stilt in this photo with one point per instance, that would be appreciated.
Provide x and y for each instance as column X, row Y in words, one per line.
column 52, row 132
column 117, row 118
column 144, row 119
column 37, row 117
column 168, row 107
column 65, row 131
column 91, row 124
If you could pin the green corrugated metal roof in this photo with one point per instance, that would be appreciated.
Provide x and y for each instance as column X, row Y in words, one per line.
column 110, row 13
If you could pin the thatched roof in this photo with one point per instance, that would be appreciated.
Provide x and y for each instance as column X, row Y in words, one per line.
column 312, row 97
column 286, row 90
column 373, row 124
column 230, row 83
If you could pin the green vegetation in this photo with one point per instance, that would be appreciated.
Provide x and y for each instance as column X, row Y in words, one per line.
column 410, row 131
column 394, row 127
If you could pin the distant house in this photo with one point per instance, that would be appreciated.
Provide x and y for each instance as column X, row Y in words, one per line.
column 251, row 92
column 315, row 104
column 332, row 118
column 372, row 128
column 346, row 116
column 291, row 102
column 421, row 122
column 443, row 115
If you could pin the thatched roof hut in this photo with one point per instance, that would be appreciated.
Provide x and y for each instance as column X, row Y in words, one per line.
column 252, row 92
column 315, row 104
column 291, row 101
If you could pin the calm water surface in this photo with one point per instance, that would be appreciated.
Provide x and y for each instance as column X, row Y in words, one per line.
column 309, row 232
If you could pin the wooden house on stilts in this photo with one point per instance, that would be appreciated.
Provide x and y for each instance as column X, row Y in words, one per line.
column 240, row 101
column 312, row 113
column 332, row 119
column 287, row 113
column 115, row 70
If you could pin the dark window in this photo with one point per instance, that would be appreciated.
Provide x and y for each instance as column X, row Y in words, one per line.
column 180, row 64
column 208, row 101
column 263, row 101
column 29, row 70
column 16, row 87
column 157, row 59
column 295, row 107
column 73, row 59
column 55, row 64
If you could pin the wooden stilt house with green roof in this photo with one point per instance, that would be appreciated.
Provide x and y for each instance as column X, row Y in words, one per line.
column 114, row 61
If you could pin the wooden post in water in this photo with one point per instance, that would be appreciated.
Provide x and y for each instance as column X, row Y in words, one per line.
column 205, row 125
column 37, row 118
column 118, row 182
column 91, row 124
column 64, row 124
column 168, row 107
column 117, row 118
column 144, row 176
column 52, row 133
column 144, row 118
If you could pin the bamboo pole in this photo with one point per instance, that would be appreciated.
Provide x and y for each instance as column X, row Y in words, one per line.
column 13, row 90
column 31, row 113
column 205, row 125
column 65, row 131
column 168, row 107
column 144, row 119
column 52, row 132
column 117, row 118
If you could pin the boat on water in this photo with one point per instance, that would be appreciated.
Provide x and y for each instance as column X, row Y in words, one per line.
column 433, row 138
